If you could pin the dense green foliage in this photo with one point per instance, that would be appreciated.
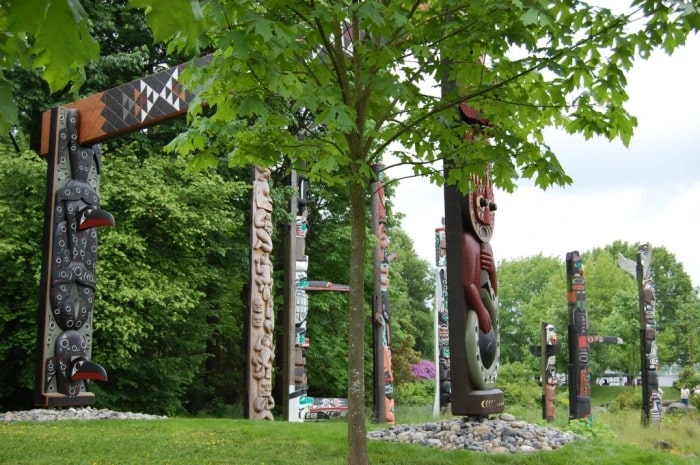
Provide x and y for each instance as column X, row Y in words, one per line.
column 172, row 295
column 22, row 181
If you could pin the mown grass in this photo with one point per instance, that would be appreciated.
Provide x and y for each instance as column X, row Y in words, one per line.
column 181, row 441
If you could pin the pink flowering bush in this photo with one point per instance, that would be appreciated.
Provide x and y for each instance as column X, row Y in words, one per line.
column 424, row 370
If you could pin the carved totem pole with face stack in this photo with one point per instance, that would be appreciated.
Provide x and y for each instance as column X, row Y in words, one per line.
column 641, row 270
column 68, row 278
column 579, row 383
column 262, row 323
column 548, row 350
column 472, row 295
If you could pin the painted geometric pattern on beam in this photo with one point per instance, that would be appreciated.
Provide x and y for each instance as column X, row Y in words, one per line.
column 129, row 107
column 151, row 98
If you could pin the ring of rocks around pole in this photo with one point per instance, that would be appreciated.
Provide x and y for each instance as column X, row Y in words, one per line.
column 504, row 435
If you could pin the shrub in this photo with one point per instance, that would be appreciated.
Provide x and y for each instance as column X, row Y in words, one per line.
column 590, row 429
column 687, row 377
column 417, row 393
column 520, row 388
column 695, row 401
column 627, row 399
column 424, row 370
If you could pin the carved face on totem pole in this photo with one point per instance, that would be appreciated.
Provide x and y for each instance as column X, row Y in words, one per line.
column 479, row 207
column 550, row 335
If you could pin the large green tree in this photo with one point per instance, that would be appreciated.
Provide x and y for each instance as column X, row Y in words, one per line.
column 524, row 285
column 51, row 36
column 358, row 66
column 172, row 299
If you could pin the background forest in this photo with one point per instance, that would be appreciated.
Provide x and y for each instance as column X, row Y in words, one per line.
column 170, row 312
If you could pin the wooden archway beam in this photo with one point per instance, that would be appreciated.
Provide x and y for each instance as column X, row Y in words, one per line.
column 132, row 106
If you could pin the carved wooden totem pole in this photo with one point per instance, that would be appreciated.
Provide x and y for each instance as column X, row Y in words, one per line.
column 442, row 328
column 69, row 253
column 548, row 350
column 296, row 402
column 261, row 351
column 68, row 280
column 579, row 383
column 472, row 295
column 383, row 375
column 641, row 271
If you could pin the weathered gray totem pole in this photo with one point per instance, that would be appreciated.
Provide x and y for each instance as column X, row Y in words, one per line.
column 548, row 351
column 442, row 328
column 383, row 375
column 261, row 351
column 578, row 377
column 641, row 271
column 472, row 294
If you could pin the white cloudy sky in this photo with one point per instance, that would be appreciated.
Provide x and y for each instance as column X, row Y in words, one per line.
column 648, row 192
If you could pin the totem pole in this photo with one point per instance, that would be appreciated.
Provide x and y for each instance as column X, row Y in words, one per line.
column 69, row 140
column 383, row 376
column 295, row 400
column 641, row 270
column 442, row 329
column 472, row 294
column 579, row 383
column 548, row 350
column 261, row 351
column 69, row 260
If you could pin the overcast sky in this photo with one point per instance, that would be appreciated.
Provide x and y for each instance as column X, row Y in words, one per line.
column 648, row 192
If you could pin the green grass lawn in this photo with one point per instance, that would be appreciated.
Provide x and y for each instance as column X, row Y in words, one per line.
column 180, row 441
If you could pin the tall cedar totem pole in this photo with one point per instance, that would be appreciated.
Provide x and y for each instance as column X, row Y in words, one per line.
column 641, row 271
column 579, row 383
column 472, row 294
column 68, row 279
column 69, row 140
column 383, row 375
column 261, row 349
column 295, row 401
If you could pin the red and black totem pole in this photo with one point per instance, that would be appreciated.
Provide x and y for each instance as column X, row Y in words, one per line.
column 578, row 377
column 472, row 294
column 383, row 375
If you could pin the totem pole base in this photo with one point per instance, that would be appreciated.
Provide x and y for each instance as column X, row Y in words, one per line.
column 60, row 400
column 481, row 403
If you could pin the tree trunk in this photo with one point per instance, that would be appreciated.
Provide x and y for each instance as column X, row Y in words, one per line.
column 357, row 433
